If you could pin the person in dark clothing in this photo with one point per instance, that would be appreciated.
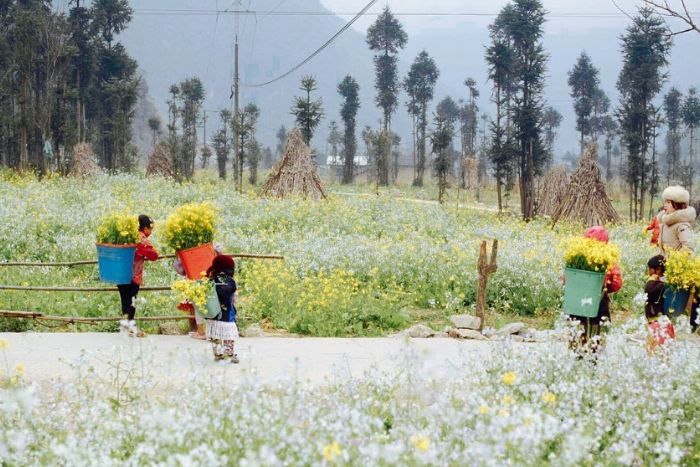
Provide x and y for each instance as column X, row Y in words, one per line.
column 128, row 292
column 222, row 330
column 588, row 339
column 660, row 327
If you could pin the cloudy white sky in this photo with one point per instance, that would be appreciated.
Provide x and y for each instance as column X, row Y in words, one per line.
column 564, row 14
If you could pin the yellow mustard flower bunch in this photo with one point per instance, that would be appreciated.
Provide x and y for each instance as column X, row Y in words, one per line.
column 196, row 292
column 590, row 255
column 189, row 226
column 683, row 271
column 118, row 229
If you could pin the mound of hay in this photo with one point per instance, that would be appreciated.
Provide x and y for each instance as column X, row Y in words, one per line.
column 552, row 191
column 585, row 199
column 296, row 173
column 160, row 162
column 84, row 163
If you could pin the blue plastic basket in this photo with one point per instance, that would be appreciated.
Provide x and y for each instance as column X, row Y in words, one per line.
column 675, row 301
column 115, row 263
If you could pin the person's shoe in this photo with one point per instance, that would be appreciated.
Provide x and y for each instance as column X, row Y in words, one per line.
column 234, row 359
column 123, row 326
column 134, row 331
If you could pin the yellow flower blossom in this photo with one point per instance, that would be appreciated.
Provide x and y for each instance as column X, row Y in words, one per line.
column 507, row 400
column 331, row 451
column 118, row 229
column 4, row 344
column 509, row 378
column 590, row 255
column 422, row 443
column 484, row 409
column 549, row 398
column 19, row 368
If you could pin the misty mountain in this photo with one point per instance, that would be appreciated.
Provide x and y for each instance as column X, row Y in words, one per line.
column 173, row 45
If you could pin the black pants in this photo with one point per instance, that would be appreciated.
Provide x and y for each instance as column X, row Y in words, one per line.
column 127, row 293
column 592, row 327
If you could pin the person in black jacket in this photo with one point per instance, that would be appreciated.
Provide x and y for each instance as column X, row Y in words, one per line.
column 660, row 327
column 222, row 330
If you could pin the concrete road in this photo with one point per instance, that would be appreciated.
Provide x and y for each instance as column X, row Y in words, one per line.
column 48, row 357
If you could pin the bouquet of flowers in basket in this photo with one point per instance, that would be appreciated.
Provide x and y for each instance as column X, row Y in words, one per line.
column 588, row 254
column 683, row 271
column 196, row 292
column 189, row 226
column 118, row 229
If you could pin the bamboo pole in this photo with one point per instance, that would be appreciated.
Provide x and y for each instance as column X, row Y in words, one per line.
column 82, row 320
column 94, row 261
column 77, row 289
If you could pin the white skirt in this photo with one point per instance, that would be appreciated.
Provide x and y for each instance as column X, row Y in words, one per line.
column 221, row 330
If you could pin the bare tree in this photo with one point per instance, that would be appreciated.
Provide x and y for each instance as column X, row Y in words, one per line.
column 664, row 8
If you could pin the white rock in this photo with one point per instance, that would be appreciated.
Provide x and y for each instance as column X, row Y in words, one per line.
column 466, row 321
column 488, row 332
column 469, row 334
column 510, row 328
column 420, row 331
column 253, row 331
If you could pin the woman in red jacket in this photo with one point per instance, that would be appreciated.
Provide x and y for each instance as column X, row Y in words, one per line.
column 128, row 292
column 590, row 335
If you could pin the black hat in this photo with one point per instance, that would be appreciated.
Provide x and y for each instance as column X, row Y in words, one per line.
column 657, row 262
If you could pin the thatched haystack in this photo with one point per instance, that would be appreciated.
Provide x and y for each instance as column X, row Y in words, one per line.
column 160, row 162
column 296, row 173
column 84, row 163
column 553, row 189
column 585, row 199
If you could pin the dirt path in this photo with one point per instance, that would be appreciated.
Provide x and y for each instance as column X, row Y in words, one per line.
column 49, row 356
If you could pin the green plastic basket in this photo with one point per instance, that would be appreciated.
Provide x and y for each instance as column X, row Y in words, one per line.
column 583, row 292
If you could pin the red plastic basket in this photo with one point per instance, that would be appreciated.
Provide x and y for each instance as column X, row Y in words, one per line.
column 197, row 260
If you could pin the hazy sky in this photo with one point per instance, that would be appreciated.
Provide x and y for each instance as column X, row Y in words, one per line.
column 586, row 14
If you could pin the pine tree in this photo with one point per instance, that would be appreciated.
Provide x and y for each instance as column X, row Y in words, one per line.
column 420, row 85
column 349, row 91
column 441, row 141
column 244, row 125
column 222, row 142
column 587, row 95
column 673, row 104
column 386, row 36
column 500, row 58
column 334, row 140
column 308, row 112
column 517, row 47
column 645, row 47
column 691, row 120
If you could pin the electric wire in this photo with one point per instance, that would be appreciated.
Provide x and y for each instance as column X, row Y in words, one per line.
column 317, row 51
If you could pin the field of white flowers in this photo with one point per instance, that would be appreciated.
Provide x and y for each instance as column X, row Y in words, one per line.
column 538, row 406
column 358, row 264
column 355, row 265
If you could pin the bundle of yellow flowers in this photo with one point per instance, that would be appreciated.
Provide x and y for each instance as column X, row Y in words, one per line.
column 590, row 255
column 683, row 271
column 189, row 226
column 196, row 292
column 118, row 229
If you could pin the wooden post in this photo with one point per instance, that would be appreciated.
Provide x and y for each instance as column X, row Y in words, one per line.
column 485, row 270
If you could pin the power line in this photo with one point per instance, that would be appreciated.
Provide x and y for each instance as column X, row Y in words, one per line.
column 317, row 51
column 210, row 12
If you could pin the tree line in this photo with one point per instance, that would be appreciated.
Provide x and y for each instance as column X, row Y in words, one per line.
column 65, row 80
